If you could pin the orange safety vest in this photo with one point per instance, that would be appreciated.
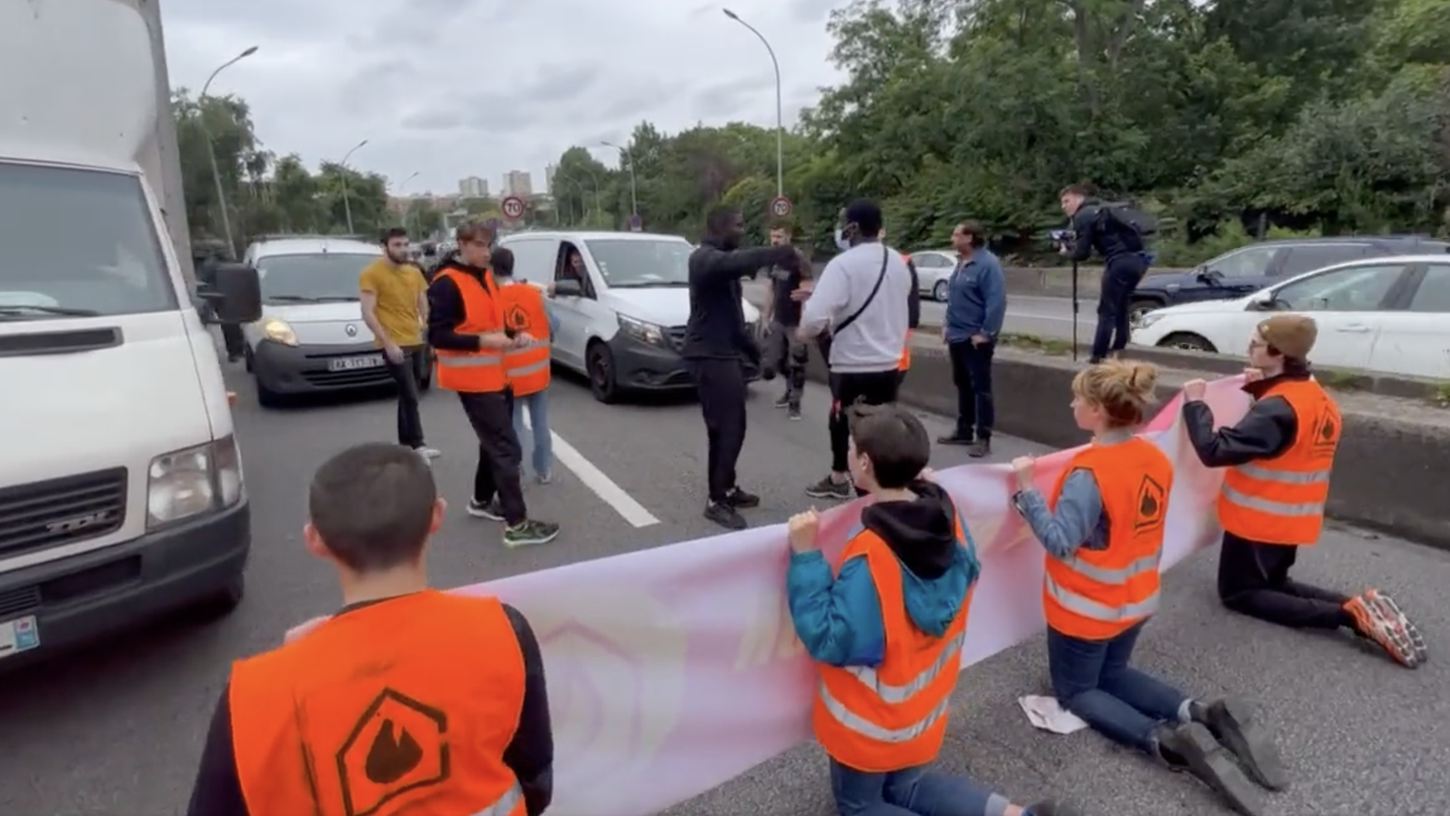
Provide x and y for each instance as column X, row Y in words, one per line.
column 527, row 368
column 1098, row 594
column 401, row 707
column 474, row 371
column 894, row 715
column 1281, row 500
column 905, row 362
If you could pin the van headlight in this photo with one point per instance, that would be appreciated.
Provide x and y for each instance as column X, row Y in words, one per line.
column 642, row 331
column 278, row 331
column 193, row 481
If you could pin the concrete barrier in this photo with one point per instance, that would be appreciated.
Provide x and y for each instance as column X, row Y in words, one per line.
column 1052, row 281
column 1387, row 474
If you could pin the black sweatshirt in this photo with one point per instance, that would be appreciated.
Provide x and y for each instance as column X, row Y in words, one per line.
column 717, row 318
column 446, row 310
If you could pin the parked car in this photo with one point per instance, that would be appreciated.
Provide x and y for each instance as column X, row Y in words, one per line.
column 933, row 272
column 1256, row 266
column 311, row 337
column 1387, row 314
column 622, row 316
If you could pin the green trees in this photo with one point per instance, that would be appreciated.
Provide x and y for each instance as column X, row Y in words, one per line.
column 1326, row 117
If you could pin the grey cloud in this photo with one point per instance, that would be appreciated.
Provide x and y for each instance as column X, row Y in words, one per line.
column 638, row 96
column 728, row 98
column 812, row 11
column 548, row 96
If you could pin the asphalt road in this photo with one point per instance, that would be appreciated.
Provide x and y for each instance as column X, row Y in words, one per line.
column 117, row 730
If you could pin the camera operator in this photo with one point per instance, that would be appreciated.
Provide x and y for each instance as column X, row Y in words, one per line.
column 1096, row 225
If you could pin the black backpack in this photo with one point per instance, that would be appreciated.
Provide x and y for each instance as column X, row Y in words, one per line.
column 1131, row 217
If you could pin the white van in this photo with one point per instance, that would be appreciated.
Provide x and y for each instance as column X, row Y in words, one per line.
column 625, row 327
column 121, row 493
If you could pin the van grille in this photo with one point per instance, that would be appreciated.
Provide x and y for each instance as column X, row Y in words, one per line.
column 61, row 511
column 676, row 337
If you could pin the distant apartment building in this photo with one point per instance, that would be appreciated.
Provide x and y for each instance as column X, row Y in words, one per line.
column 472, row 187
column 517, row 183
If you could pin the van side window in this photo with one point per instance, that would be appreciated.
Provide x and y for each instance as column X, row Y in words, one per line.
column 533, row 259
column 570, row 267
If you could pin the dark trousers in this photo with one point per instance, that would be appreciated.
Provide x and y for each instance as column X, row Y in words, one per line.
column 972, row 375
column 787, row 355
column 1253, row 580
column 720, row 383
column 491, row 414
column 1120, row 277
column 233, row 340
column 847, row 389
column 405, row 374
column 1092, row 679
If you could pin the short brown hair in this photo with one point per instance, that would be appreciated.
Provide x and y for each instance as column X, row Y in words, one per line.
column 472, row 231
column 974, row 229
column 372, row 505
column 783, row 226
column 1075, row 189
column 893, row 439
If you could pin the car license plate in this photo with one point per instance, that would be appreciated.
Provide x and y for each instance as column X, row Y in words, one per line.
column 19, row 635
column 355, row 363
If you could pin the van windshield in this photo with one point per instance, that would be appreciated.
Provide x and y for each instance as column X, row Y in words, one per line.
column 78, row 243
column 642, row 263
column 312, row 278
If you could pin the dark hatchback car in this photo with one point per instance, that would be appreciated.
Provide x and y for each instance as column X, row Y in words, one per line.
column 1256, row 266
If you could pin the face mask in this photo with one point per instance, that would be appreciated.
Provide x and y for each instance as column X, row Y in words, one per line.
column 841, row 242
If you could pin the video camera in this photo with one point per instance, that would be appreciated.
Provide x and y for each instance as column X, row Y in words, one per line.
column 1062, row 239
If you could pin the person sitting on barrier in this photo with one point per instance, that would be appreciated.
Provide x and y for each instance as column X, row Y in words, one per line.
column 886, row 629
column 408, row 697
column 1278, row 460
column 1103, row 532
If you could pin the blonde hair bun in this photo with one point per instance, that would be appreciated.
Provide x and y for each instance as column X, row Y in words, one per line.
column 1124, row 389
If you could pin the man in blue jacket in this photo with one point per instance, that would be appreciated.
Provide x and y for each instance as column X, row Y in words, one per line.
column 976, row 307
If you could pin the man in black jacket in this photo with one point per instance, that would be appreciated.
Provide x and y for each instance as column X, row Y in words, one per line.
column 1124, row 264
column 717, row 345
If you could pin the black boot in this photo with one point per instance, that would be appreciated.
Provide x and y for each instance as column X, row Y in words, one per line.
column 1191, row 748
column 1231, row 722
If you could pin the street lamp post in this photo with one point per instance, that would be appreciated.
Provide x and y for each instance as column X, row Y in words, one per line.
column 216, row 175
column 779, row 107
column 633, row 180
column 346, row 203
column 408, row 208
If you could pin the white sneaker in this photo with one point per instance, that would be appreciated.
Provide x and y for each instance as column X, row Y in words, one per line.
column 428, row 453
column 545, row 478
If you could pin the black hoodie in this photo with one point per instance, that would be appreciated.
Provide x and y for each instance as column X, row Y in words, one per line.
column 938, row 568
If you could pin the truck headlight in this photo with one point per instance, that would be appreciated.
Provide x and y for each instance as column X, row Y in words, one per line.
column 193, row 481
column 278, row 331
column 642, row 331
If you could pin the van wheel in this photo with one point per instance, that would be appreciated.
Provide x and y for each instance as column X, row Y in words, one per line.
column 603, row 380
column 224, row 601
column 267, row 398
column 939, row 292
column 1139, row 307
column 1188, row 341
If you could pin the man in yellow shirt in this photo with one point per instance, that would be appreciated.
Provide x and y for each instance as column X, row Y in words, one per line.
column 395, row 308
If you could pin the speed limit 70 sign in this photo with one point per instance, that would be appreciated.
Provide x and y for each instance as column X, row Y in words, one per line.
column 780, row 207
column 513, row 207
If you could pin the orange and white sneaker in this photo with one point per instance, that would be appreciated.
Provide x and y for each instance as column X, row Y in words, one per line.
column 1411, row 631
column 1376, row 621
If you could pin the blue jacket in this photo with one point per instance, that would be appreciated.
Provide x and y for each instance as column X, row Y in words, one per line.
column 976, row 298
column 838, row 619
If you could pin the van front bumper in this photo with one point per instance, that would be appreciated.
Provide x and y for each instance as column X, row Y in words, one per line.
column 641, row 366
column 297, row 370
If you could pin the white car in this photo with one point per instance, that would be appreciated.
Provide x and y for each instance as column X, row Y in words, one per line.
column 934, row 271
column 625, row 327
column 1384, row 314
column 311, row 338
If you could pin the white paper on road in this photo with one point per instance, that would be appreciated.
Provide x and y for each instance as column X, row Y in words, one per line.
column 1047, row 714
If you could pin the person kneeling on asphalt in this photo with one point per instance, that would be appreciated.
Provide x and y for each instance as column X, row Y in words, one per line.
column 348, row 717
column 1103, row 532
column 885, row 628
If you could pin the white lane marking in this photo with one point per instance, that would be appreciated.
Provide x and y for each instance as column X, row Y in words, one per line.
column 594, row 479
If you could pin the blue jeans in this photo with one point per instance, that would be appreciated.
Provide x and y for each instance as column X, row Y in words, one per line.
column 910, row 791
column 538, row 407
column 1093, row 680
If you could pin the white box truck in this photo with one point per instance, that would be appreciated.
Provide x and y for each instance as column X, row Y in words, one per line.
column 121, row 490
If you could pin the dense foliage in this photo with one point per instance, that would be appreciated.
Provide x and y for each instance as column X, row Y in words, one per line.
column 1228, row 118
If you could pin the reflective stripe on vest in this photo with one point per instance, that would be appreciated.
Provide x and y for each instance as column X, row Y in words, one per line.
column 1089, row 608
column 948, row 659
column 1276, row 508
column 528, row 368
column 467, row 360
column 505, row 804
column 870, row 730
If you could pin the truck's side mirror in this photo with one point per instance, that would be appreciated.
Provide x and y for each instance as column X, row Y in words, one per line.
column 235, row 295
column 568, row 288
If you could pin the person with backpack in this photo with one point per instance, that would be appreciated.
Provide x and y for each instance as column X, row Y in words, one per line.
column 1117, row 232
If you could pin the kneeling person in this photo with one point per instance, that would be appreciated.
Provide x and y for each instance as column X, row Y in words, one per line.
column 885, row 628
column 349, row 718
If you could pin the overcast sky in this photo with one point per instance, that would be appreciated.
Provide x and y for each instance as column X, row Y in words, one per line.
column 456, row 88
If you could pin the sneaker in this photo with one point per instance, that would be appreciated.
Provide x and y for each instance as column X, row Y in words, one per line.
column 1417, row 640
column 427, row 452
column 828, row 488
column 982, row 447
column 546, row 477
column 741, row 500
column 783, row 402
column 955, row 439
column 490, row 510
column 724, row 515
column 794, row 413
column 1374, row 622
column 1051, row 807
column 530, row 532
column 1190, row 748
column 1231, row 722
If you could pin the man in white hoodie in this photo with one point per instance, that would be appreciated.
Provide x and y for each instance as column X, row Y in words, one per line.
column 867, row 299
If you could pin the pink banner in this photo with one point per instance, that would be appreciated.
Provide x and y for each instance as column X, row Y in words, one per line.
column 675, row 669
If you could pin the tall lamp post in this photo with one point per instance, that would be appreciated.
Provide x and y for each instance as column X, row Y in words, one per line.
column 408, row 208
column 779, row 107
column 346, row 203
column 633, row 180
column 216, row 175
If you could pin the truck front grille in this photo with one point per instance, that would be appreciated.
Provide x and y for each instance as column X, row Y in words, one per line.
column 41, row 515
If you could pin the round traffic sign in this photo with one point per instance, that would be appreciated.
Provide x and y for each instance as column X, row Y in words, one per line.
column 513, row 207
column 780, row 207
column 635, row 222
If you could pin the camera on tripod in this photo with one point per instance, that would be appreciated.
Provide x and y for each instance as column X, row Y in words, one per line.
column 1062, row 239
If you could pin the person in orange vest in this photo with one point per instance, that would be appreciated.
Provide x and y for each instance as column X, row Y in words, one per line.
column 408, row 700
column 885, row 627
column 470, row 337
column 1103, row 533
column 528, row 366
column 1278, row 460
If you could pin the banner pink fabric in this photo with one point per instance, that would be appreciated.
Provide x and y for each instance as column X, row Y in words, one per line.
column 675, row 669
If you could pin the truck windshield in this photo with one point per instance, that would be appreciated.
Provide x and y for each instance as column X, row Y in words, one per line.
column 313, row 277
column 78, row 243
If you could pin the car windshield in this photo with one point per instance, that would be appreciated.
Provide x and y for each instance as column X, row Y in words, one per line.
column 312, row 278
column 78, row 243
column 642, row 263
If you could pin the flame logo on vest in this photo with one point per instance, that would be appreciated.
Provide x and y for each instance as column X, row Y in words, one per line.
column 517, row 318
column 1150, row 506
column 398, row 745
column 1326, row 431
